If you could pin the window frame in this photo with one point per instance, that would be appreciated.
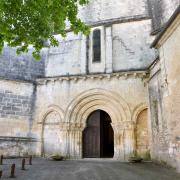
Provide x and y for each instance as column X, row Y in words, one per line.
column 100, row 45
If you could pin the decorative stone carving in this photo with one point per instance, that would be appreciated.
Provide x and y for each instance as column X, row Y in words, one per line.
column 82, row 106
column 124, row 75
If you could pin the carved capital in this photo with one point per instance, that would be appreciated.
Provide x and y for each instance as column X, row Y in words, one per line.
column 123, row 125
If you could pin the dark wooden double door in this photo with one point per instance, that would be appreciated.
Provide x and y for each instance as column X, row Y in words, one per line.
column 98, row 136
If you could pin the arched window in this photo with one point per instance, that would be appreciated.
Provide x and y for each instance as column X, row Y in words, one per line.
column 97, row 45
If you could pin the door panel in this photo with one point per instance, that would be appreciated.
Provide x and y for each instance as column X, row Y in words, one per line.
column 91, row 136
column 98, row 136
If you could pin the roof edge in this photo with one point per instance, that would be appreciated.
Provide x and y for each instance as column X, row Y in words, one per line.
column 167, row 25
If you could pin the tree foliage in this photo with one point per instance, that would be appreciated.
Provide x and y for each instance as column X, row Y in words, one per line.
column 33, row 22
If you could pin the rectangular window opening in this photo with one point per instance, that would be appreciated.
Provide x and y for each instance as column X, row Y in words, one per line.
column 97, row 45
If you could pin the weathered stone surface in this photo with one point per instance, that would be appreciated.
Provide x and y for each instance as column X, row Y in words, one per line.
column 75, row 101
column 16, row 110
column 43, row 169
column 105, row 10
column 161, row 11
column 47, row 112
column 22, row 67
column 129, row 51
column 164, row 90
column 16, row 146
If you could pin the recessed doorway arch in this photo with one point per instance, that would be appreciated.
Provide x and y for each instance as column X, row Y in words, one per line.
column 98, row 136
column 118, row 109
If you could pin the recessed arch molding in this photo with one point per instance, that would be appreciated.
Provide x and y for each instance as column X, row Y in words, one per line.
column 111, row 102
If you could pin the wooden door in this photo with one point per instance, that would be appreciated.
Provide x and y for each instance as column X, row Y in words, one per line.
column 91, row 136
column 98, row 136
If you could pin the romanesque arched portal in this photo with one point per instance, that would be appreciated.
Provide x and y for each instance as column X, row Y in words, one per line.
column 86, row 103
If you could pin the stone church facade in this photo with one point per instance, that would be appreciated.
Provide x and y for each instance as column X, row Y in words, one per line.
column 109, row 90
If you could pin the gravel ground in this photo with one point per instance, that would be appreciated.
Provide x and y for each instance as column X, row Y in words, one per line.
column 88, row 170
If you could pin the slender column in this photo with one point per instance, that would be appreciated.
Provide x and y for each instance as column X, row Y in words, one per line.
column 129, row 139
column 71, row 143
column 124, row 139
column 109, row 50
column 83, row 55
column 78, row 143
column 75, row 141
column 63, row 141
column 118, row 141
column 66, row 150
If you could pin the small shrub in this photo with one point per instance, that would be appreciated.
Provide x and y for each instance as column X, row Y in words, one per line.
column 57, row 157
column 135, row 157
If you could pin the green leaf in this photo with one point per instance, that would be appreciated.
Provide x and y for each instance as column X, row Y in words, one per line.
column 32, row 22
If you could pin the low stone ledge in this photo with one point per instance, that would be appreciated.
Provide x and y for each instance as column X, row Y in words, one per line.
column 17, row 139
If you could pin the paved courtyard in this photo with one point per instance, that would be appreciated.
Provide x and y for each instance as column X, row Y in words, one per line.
column 88, row 170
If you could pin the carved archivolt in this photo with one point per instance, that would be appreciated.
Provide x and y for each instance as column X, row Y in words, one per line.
column 53, row 115
column 52, row 109
column 87, row 102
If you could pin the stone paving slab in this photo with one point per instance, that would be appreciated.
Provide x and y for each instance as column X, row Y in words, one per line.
column 43, row 169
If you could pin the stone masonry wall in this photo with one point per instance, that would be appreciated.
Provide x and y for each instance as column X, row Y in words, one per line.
column 161, row 11
column 170, row 64
column 125, row 46
column 102, row 10
column 159, row 126
column 164, row 95
column 131, row 43
column 22, row 67
column 66, row 94
column 14, row 105
column 16, row 110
